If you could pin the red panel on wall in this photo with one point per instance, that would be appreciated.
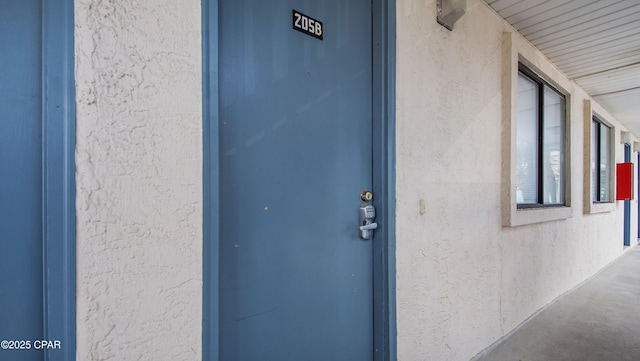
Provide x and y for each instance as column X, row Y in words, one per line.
column 624, row 181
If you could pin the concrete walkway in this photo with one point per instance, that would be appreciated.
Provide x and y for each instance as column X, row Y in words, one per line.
column 598, row 321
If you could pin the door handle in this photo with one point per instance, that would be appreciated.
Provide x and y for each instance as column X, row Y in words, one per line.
column 367, row 224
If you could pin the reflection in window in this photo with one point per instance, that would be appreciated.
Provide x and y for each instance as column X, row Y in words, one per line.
column 527, row 142
column 540, row 143
column 600, row 161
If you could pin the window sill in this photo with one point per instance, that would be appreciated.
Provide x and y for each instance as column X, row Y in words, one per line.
column 599, row 208
column 524, row 216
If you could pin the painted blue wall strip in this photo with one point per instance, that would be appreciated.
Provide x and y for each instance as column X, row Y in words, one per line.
column 59, row 178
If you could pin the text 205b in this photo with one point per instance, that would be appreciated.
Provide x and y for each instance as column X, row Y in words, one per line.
column 307, row 24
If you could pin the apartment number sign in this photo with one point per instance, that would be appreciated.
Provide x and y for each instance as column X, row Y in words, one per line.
column 306, row 24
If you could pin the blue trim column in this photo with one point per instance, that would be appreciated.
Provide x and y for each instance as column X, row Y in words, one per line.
column 627, row 203
column 58, row 121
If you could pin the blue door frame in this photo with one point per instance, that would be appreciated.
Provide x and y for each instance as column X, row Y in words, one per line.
column 59, row 196
column 56, row 122
column 384, row 322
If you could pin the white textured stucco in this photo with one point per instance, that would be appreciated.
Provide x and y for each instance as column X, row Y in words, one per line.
column 464, row 280
column 139, row 180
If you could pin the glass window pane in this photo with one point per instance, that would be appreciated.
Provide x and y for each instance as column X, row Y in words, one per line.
column 605, row 162
column 594, row 162
column 527, row 142
column 553, row 148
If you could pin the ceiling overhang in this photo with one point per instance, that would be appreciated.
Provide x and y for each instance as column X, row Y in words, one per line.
column 596, row 43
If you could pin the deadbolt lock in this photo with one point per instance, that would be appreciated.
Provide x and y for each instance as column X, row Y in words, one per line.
column 366, row 195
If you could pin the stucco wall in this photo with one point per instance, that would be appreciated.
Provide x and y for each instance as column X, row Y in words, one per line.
column 464, row 280
column 139, row 172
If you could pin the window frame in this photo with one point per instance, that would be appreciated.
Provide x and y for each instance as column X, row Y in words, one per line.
column 598, row 153
column 541, row 84
column 515, row 50
column 592, row 109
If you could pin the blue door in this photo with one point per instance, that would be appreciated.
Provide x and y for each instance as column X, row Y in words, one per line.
column 21, row 251
column 295, row 124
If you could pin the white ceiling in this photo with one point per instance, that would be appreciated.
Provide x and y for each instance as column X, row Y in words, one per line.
column 595, row 42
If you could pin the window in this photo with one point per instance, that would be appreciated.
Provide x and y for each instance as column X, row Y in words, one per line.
column 536, row 170
column 540, row 142
column 600, row 161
